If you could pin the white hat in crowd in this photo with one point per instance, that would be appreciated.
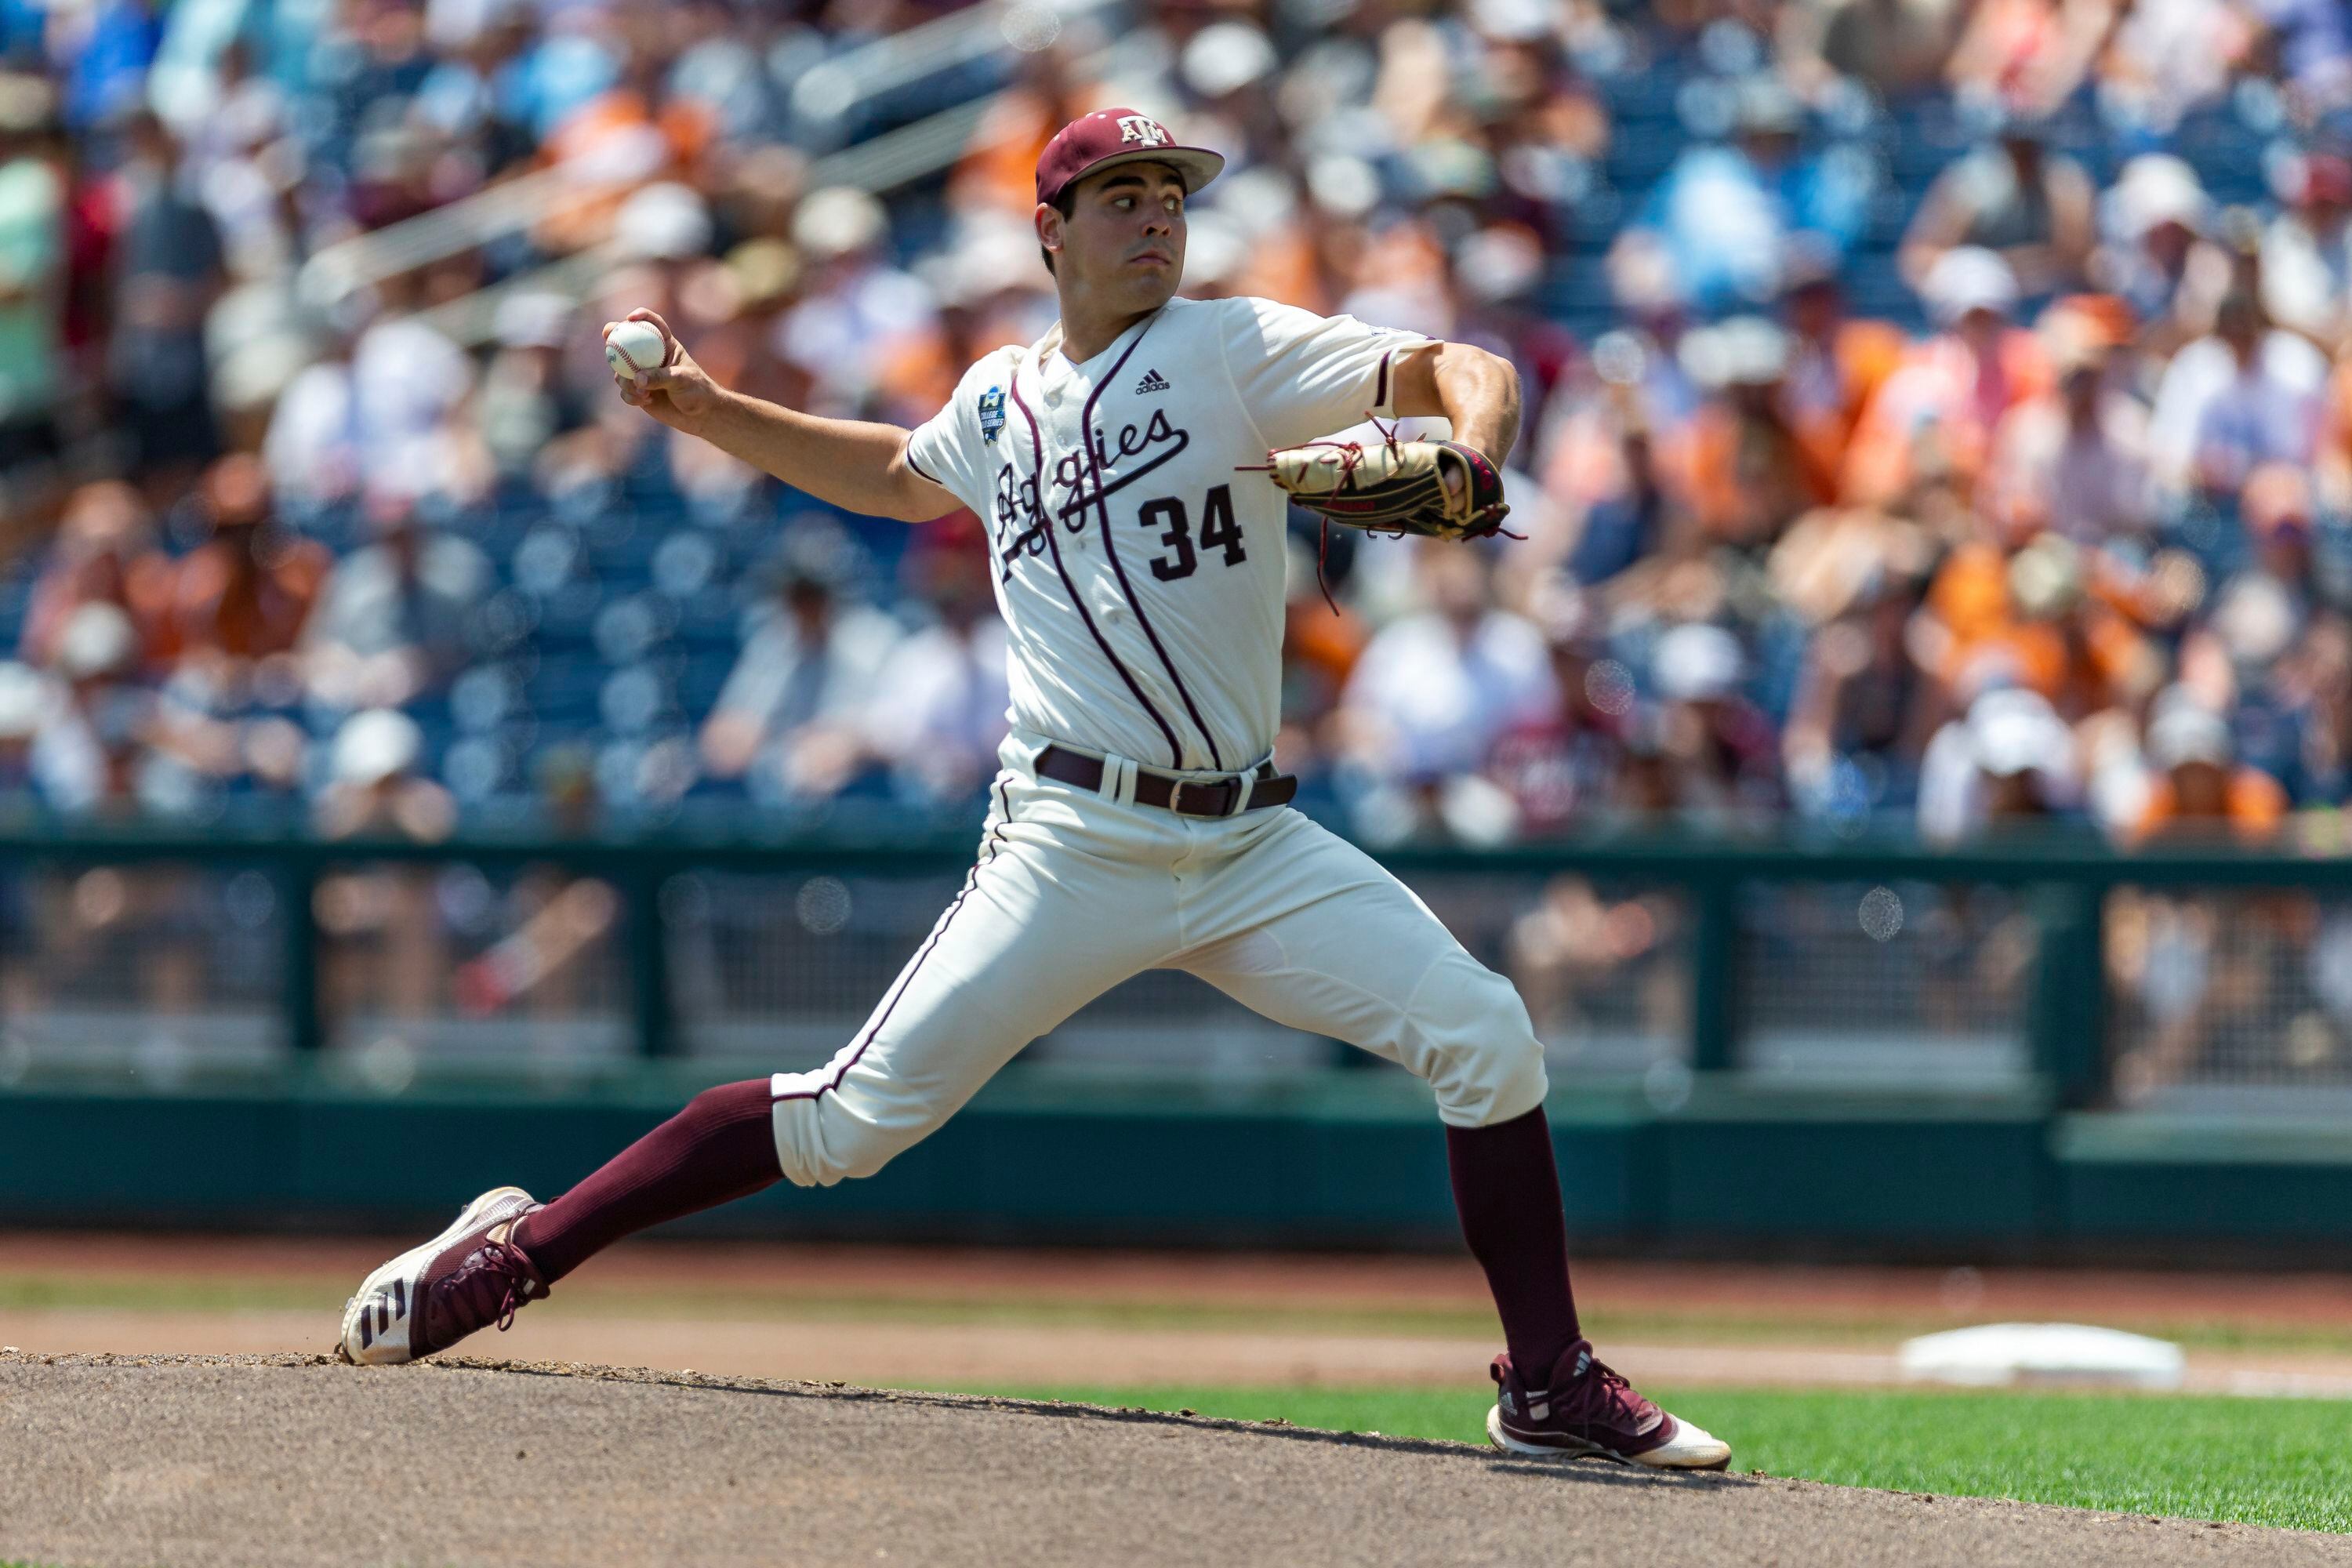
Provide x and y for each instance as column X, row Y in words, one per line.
column 2158, row 188
column 2012, row 731
column 838, row 221
column 534, row 319
column 2188, row 735
column 665, row 222
column 1697, row 663
column 376, row 745
column 98, row 640
column 24, row 700
column 1967, row 279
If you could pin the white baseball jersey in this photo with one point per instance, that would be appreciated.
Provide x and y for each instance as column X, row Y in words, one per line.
column 1140, row 576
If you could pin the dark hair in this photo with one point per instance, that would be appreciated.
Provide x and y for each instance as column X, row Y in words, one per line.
column 1066, row 201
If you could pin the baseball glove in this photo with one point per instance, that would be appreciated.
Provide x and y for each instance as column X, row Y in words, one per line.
column 1396, row 485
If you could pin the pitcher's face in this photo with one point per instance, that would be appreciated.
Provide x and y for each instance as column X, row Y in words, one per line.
column 1123, row 242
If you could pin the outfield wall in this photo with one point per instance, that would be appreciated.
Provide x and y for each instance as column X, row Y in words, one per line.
column 2042, row 1048
column 1732, row 1172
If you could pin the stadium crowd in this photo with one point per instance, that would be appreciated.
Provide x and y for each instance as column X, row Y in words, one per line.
column 1937, row 412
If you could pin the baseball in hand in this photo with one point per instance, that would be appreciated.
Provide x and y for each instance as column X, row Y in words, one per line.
column 633, row 348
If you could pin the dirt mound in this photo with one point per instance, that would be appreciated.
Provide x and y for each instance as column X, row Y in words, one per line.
column 234, row 1461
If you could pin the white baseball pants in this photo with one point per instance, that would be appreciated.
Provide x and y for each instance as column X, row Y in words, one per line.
column 1075, row 892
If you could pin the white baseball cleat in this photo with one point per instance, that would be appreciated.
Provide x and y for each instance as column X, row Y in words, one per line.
column 430, row 1297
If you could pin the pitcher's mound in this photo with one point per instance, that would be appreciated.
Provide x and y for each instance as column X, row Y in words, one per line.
column 193, row 1462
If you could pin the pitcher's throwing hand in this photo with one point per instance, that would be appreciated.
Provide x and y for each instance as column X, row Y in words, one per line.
column 677, row 393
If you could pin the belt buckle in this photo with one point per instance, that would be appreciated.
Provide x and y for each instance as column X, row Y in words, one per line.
column 1224, row 789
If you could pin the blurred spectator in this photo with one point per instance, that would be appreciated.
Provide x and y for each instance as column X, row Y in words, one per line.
column 2245, row 395
column 33, row 259
column 1777, row 539
column 95, row 726
column 393, row 619
column 2166, row 59
column 1727, row 213
column 2306, row 254
column 242, row 594
column 939, row 698
column 1933, row 420
column 1858, row 722
column 2028, row 56
column 405, row 381
column 2197, row 788
column 387, row 951
column 1898, row 46
column 2075, row 458
column 104, row 553
column 2309, row 43
column 1560, row 766
column 790, row 721
column 2009, row 761
column 169, row 272
column 315, row 444
column 1432, row 694
column 2014, row 198
column 1836, row 361
column 374, row 786
column 1576, row 944
column 855, row 307
column 2155, row 259
column 526, row 400
column 1717, row 745
column 1745, row 469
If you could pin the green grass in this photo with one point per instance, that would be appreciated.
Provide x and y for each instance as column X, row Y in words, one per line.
column 2276, row 1462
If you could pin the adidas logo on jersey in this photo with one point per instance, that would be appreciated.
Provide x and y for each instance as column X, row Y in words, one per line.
column 1152, row 382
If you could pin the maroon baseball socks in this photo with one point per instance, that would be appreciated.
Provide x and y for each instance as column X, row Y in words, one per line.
column 1506, row 1190
column 722, row 1147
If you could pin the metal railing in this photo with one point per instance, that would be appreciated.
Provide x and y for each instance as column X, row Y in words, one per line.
column 830, row 90
column 2055, row 966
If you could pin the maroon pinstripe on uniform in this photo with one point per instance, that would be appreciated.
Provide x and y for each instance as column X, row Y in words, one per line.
column 1102, row 510
column 1053, row 541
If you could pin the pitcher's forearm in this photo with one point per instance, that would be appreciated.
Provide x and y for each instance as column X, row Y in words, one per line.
column 1480, row 394
column 848, row 462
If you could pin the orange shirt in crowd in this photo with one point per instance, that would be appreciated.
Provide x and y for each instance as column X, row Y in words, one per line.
column 248, row 615
column 1942, row 405
column 2252, row 805
column 1970, row 597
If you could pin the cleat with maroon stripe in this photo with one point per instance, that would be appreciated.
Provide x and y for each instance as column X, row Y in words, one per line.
column 430, row 1297
column 1593, row 1411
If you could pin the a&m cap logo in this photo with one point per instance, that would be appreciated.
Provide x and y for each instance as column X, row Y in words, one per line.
column 1149, row 132
column 991, row 414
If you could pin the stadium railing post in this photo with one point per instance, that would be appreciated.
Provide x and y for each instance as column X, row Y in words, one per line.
column 296, row 876
column 1714, row 972
column 2065, row 1021
column 650, row 958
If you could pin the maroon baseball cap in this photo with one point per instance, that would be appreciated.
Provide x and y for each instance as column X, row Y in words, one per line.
column 1110, row 136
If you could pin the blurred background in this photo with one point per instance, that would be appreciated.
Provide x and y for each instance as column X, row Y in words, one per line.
column 1902, row 764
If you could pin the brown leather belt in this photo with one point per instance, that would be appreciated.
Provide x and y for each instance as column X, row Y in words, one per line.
column 1186, row 797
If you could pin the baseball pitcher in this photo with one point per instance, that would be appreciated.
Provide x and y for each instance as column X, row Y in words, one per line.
column 1133, row 467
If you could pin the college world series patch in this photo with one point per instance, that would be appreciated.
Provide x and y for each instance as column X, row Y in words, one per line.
column 991, row 414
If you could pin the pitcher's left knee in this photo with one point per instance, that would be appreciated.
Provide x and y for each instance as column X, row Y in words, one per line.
column 827, row 1133
column 1471, row 1038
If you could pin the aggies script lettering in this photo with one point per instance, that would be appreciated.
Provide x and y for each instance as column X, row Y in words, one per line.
column 1020, row 520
